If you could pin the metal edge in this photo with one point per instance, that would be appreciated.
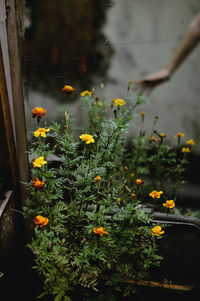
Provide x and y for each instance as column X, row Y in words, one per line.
column 5, row 201
column 176, row 219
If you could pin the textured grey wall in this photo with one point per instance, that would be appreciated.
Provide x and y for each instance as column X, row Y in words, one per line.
column 144, row 35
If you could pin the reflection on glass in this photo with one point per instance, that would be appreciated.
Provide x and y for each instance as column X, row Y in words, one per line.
column 64, row 44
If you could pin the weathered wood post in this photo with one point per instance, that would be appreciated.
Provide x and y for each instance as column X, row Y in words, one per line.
column 13, row 139
column 17, row 91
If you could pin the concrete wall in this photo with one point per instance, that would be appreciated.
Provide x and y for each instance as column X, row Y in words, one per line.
column 144, row 35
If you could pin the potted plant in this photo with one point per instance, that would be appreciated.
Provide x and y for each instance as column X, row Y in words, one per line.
column 87, row 220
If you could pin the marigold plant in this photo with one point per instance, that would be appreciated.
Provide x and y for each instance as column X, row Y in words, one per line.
column 39, row 162
column 87, row 138
column 86, row 93
column 86, row 207
column 38, row 112
column 67, row 89
column 119, row 102
column 155, row 194
column 157, row 231
column 37, row 183
column 97, row 178
column 100, row 231
column 41, row 221
column 41, row 132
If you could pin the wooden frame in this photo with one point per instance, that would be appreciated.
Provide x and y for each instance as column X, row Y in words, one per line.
column 9, row 144
column 12, row 100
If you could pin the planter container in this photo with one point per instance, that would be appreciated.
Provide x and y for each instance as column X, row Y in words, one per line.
column 180, row 247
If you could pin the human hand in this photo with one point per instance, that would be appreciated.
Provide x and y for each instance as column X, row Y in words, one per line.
column 149, row 82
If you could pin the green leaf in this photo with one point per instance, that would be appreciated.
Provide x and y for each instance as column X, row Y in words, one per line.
column 42, row 295
column 67, row 298
column 58, row 297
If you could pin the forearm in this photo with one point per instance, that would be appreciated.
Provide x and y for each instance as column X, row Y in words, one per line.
column 187, row 44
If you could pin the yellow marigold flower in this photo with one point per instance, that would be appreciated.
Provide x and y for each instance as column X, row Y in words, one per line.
column 169, row 204
column 38, row 112
column 152, row 138
column 185, row 150
column 139, row 182
column 119, row 102
column 37, row 183
column 39, row 162
column 179, row 135
column 100, row 231
column 143, row 114
column 190, row 142
column 118, row 200
column 41, row 132
column 132, row 174
column 68, row 89
column 41, row 221
column 133, row 195
column 98, row 179
column 157, row 231
column 86, row 93
column 155, row 194
column 162, row 135
column 87, row 138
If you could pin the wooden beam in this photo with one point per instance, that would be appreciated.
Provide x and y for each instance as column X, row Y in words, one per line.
column 17, row 91
column 4, row 48
column 9, row 134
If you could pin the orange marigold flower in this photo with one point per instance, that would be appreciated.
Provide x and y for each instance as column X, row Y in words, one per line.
column 190, row 142
column 41, row 221
column 87, row 138
column 185, row 150
column 98, row 179
column 68, row 89
column 157, row 231
column 152, row 138
column 41, row 132
column 139, row 182
column 38, row 112
column 143, row 114
column 169, row 204
column 179, row 135
column 118, row 200
column 155, row 194
column 100, row 231
column 133, row 195
column 37, row 183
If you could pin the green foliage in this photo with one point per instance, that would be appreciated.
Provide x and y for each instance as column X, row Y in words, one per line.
column 68, row 253
column 161, row 166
